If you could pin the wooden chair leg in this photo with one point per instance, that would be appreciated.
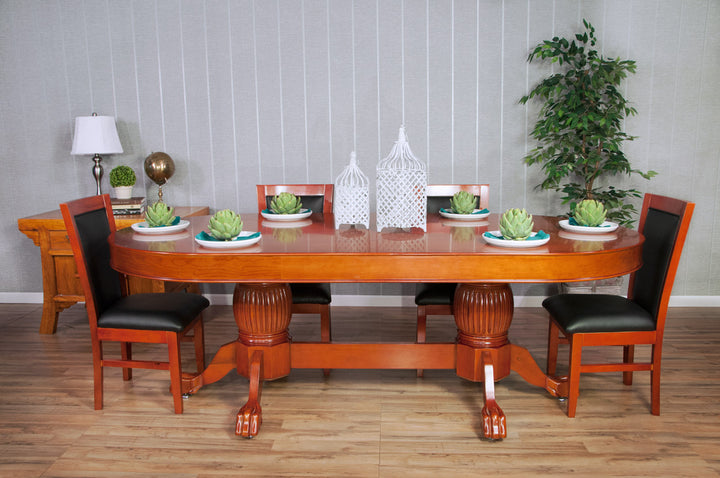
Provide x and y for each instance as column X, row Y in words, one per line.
column 173, row 341
column 199, row 343
column 552, row 348
column 576, row 344
column 628, row 357
column 421, row 330
column 97, row 353
column 655, row 379
column 325, row 330
column 126, row 354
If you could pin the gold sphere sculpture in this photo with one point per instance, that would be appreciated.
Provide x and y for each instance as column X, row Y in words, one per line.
column 159, row 167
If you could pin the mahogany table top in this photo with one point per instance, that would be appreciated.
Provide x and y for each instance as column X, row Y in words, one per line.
column 312, row 250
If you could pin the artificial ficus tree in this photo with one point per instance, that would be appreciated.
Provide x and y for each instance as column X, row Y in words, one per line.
column 580, row 124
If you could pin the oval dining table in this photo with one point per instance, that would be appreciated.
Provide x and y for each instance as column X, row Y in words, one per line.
column 313, row 250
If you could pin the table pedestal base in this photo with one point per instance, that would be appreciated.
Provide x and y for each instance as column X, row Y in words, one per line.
column 482, row 352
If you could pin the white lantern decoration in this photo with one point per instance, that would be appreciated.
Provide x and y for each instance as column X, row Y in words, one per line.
column 351, row 204
column 401, row 188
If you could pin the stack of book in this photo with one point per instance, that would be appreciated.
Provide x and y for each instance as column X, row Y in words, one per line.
column 128, row 206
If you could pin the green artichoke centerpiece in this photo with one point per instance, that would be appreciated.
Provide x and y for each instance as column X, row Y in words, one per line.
column 225, row 225
column 285, row 203
column 463, row 202
column 516, row 224
column 589, row 212
column 159, row 214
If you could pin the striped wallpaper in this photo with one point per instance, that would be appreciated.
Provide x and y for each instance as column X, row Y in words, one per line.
column 241, row 92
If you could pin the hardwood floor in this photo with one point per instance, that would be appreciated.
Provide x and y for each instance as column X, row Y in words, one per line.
column 354, row 422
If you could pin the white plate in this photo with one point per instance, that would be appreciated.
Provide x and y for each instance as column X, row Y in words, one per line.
column 587, row 237
column 606, row 226
column 465, row 217
column 245, row 250
column 143, row 228
column 286, row 217
column 465, row 223
column 508, row 243
column 160, row 237
column 287, row 225
column 243, row 240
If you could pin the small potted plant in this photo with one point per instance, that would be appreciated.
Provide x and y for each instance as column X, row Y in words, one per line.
column 122, row 179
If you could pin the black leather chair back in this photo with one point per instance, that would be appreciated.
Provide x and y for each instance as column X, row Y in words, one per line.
column 93, row 231
column 435, row 203
column 314, row 203
column 660, row 231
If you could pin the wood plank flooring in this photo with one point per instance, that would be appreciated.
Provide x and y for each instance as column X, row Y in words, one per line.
column 363, row 423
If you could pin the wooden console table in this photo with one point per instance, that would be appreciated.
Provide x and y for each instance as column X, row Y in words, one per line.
column 61, row 286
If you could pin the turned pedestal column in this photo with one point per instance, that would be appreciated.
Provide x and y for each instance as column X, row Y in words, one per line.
column 262, row 313
column 483, row 313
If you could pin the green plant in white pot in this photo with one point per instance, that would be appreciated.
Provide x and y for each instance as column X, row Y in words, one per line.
column 122, row 179
column 580, row 125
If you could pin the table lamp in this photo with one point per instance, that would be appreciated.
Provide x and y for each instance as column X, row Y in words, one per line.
column 96, row 135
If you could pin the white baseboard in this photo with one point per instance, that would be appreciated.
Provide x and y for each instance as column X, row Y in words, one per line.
column 380, row 300
column 21, row 297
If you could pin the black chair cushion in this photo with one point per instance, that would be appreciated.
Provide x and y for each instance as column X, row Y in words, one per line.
column 310, row 293
column 171, row 311
column 587, row 313
column 660, row 231
column 434, row 294
column 93, row 230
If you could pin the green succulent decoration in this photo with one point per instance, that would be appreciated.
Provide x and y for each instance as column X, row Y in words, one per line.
column 516, row 224
column 225, row 225
column 285, row 203
column 580, row 124
column 159, row 214
column 463, row 202
column 589, row 212
column 122, row 176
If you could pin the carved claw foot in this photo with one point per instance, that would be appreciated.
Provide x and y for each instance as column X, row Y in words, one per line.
column 494, row 427
column 249, row 419
column 493, row 421
column 558, row 387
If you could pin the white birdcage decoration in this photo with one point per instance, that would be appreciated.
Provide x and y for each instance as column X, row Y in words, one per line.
column 401, row 188
column 351, row 204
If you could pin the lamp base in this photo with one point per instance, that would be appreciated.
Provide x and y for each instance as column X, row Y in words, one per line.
column 97, row 173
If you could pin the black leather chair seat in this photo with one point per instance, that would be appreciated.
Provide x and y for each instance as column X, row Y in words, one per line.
column 311, row 293
column 170, row 311
column 434, row 294
column 587, row 313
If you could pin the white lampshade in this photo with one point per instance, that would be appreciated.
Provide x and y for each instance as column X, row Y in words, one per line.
column 96, row 135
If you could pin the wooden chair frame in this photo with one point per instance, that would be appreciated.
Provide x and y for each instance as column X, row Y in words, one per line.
column 126, row 337
column 266, row 190
column 628, row 340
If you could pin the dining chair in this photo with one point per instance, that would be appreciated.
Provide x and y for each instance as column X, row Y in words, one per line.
column 437, row 299
column 582, row 320
column 307, row 298
column 114, row 316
